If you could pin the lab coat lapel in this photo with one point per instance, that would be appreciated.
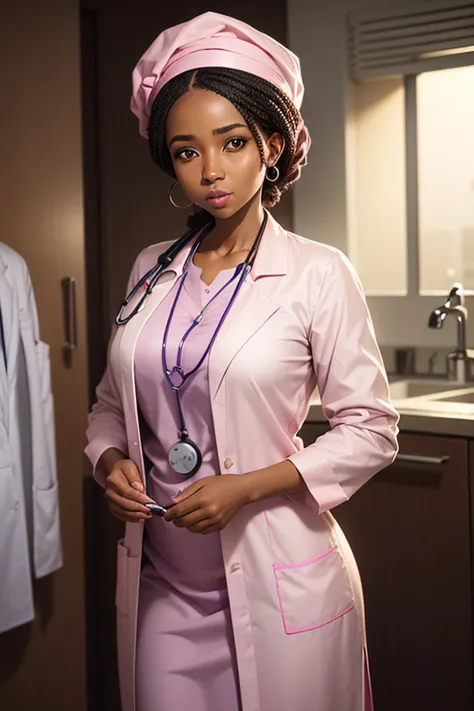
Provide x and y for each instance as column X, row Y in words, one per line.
column 130, row 333
column 9, row 316
column 252, row 307
column 127, row 336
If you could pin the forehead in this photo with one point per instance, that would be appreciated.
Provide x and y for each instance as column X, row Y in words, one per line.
column 199, row 110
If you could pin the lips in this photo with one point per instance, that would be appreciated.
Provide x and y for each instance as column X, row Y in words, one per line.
column 216, row 194
column 217, row 198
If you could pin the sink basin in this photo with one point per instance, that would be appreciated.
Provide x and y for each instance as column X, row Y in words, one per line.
column 467, row 398
column 433, row 395
column 442, row 397
column 403, row 389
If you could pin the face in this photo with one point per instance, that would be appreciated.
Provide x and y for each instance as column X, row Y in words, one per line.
column 214, row 154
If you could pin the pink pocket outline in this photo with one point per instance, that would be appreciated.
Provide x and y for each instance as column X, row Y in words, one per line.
column 283, row 566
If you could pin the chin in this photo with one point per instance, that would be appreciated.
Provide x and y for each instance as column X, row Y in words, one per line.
column 222, row 213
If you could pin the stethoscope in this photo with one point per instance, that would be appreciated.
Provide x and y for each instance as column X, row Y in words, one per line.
column 185, row 456
column 150, row 279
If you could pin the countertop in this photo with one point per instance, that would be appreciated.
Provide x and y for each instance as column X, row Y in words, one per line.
column 420, row 415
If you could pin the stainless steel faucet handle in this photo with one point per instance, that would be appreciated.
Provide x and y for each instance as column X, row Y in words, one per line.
column 456, row 295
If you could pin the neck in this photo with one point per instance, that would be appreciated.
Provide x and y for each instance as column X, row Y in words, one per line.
column 238, row 232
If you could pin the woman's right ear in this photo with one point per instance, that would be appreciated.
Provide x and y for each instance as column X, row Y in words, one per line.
column 275, row 147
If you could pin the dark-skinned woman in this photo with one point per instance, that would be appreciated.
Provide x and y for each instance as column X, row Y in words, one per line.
column 245, row 593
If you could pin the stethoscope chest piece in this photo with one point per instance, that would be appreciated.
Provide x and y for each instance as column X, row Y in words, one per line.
column 185, row 457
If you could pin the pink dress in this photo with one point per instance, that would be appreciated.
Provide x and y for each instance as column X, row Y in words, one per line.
column 185, row 648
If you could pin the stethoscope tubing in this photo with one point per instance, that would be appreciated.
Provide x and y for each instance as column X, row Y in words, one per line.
column 151, row 277
column 149, row 281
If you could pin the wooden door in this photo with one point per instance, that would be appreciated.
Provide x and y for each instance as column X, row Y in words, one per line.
column 42, row 664
column 409, row 529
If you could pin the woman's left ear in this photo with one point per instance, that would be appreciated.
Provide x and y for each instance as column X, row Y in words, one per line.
column 276, row 146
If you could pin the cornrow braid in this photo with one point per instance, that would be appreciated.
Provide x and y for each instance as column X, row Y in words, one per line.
column 165, row 99
column 262, row 105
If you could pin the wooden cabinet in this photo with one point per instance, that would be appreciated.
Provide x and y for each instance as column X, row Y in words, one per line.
column 471, row 489
column 409, row 528
column 42, row 663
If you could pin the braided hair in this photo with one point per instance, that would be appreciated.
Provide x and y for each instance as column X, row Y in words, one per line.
column 261, row 104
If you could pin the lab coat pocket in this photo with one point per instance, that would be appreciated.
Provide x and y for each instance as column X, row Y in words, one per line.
column 313, row 593
column 127, row 572
column 47, row 538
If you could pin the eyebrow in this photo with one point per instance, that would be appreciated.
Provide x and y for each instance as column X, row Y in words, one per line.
column 216, row 132
column 226, row 129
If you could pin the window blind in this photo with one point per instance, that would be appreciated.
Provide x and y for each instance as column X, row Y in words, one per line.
column 408, row 39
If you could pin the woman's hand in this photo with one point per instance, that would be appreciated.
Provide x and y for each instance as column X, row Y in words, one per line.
column 124, row 493
column 209, row 504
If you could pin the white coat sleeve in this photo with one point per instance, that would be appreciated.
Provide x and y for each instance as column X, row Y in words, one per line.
column 354, row 391
column 29, row 315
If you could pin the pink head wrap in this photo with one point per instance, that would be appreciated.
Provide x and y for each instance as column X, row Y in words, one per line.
column 214, row 40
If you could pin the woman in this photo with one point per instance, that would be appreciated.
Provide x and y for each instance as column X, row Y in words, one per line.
column 247, row 595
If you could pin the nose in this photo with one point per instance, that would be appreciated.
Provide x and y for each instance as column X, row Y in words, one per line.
column 212, row 170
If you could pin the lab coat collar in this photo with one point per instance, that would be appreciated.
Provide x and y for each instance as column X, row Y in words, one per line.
column 271, row 259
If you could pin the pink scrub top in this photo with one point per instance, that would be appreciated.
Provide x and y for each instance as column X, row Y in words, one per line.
column 185, row 648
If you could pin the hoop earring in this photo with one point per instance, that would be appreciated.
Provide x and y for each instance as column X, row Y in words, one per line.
column 170, row 197
column 275, row 175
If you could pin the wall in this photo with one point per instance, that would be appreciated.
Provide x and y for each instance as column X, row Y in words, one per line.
column 317, row 33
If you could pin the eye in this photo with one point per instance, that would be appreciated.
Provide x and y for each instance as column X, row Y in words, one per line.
column 185, row 154
column 236, row 144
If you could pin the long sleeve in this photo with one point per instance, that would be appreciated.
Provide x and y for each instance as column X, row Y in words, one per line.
column 43, row 401
column 106, row 425
column 354, row 391
column 106, row 421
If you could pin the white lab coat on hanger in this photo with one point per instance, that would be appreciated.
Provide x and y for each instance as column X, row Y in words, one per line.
column 30, row 542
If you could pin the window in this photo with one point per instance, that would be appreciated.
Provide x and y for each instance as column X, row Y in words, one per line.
column 445, row 138
column 410, row 149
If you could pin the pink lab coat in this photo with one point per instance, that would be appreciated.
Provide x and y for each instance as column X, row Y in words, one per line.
column 300, row 320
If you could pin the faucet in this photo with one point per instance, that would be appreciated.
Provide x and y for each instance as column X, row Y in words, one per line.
column 459, row 362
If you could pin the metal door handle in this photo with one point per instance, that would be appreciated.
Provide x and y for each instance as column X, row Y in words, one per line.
column 70, row 323
column 417, row 459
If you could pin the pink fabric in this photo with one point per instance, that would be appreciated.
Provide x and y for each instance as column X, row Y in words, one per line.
column 284, row 566
column 185, row 648
column 212, row 40
column 299, row 320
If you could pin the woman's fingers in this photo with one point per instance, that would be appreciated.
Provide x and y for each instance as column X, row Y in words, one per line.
column 124, row 502
column 119, row 481
column 130, row 473
column 124, row 493
column 191, row 519
column 127, row 516
column 197, row 502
